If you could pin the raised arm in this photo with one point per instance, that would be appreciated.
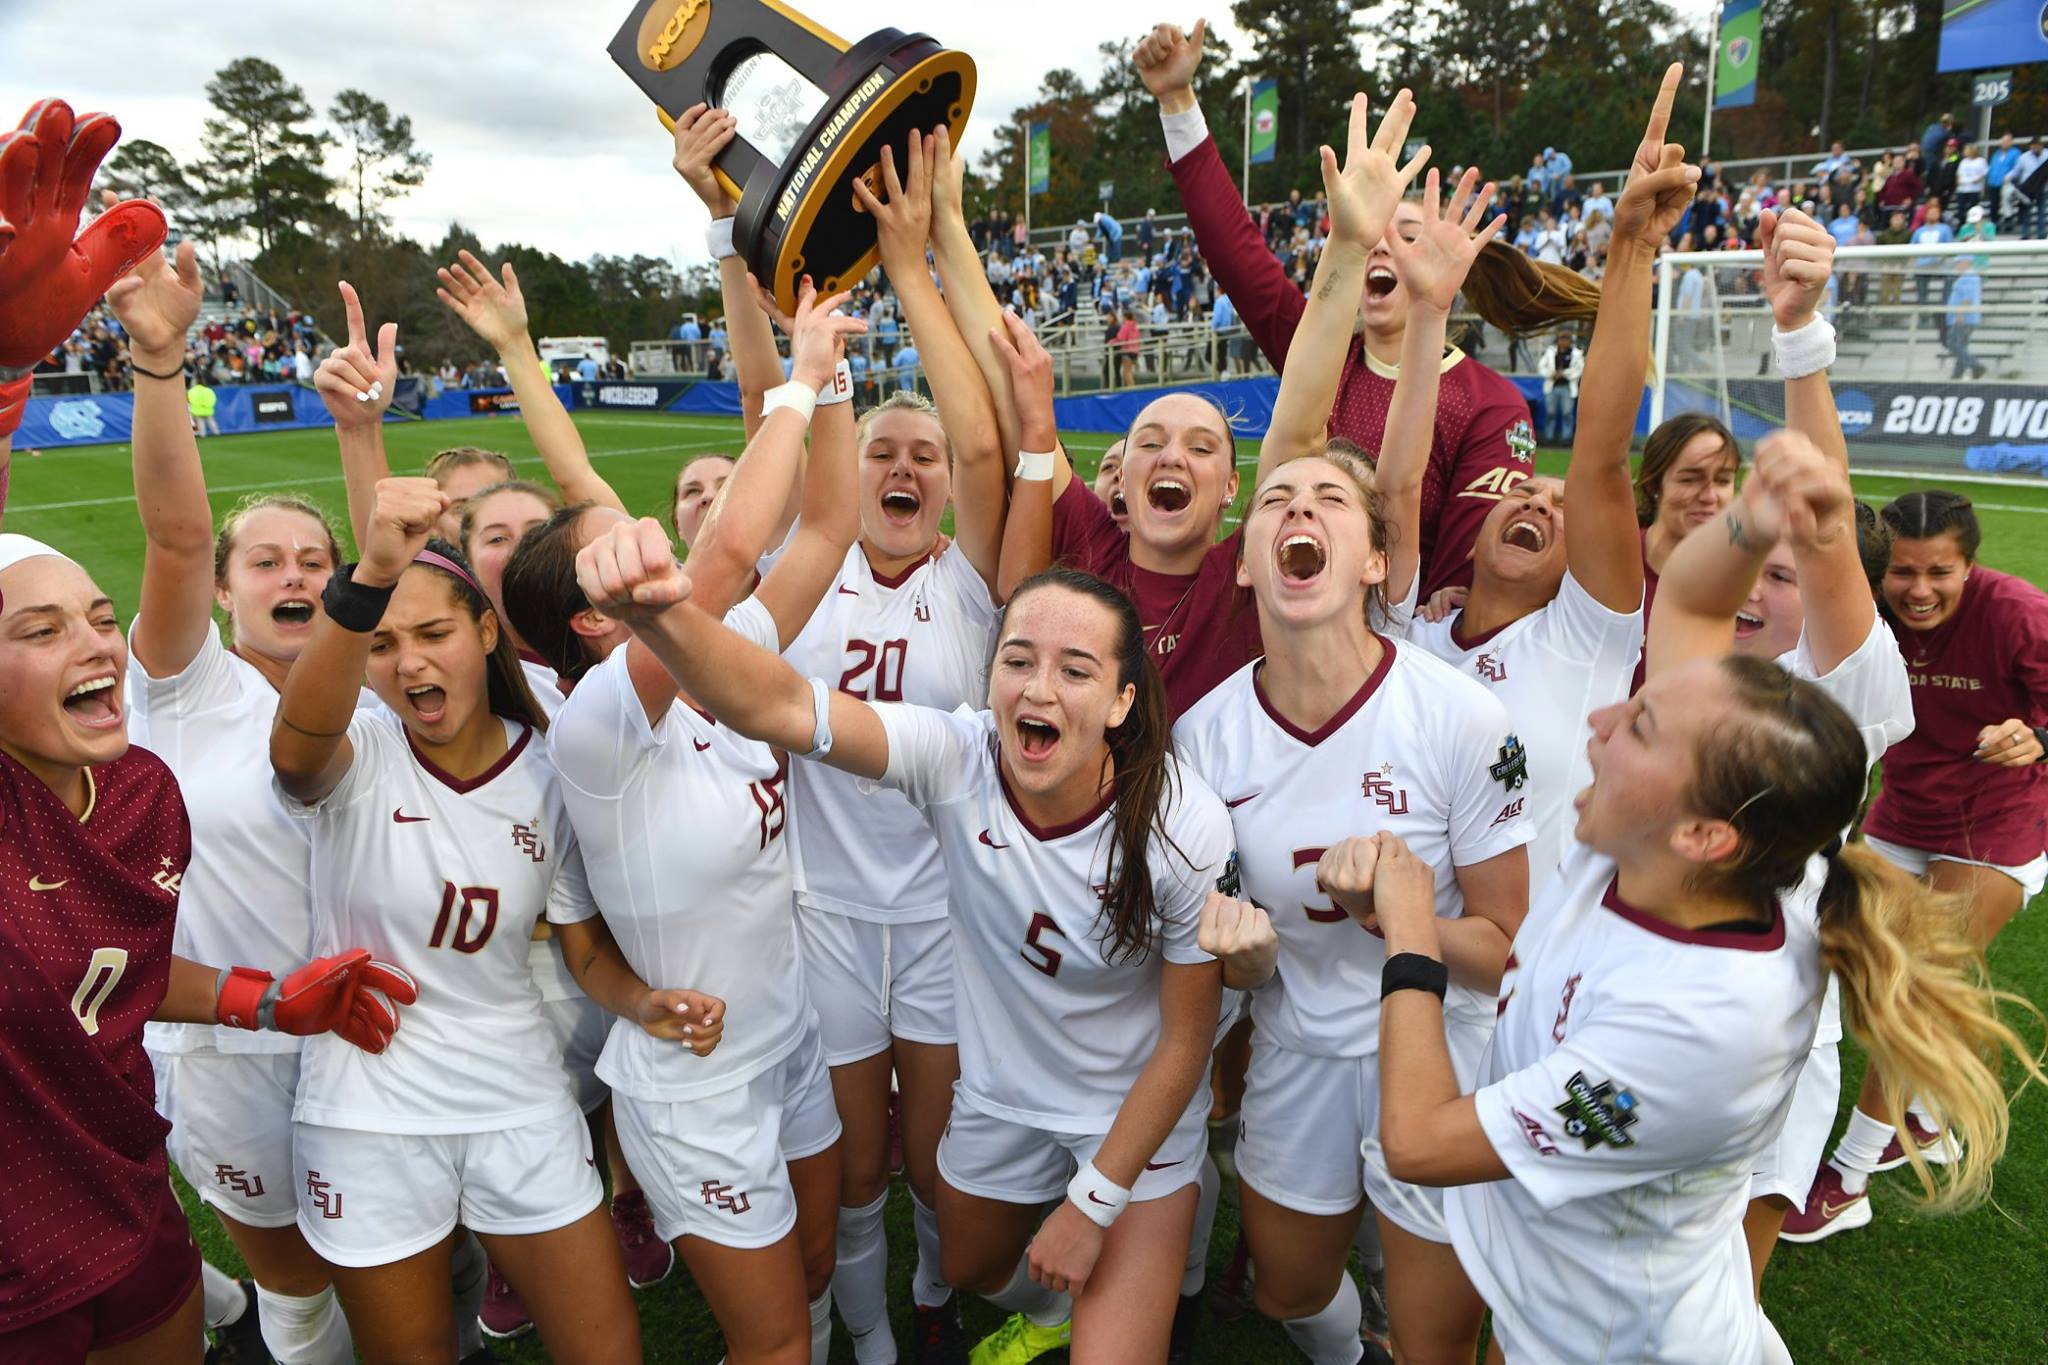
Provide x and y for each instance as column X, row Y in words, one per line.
column 309, row 746
column 1363, row 197
column 904, row 220
column 969, row 298
column 1603, row 546
column 701, row 134
column 630, row 574
column 1799, row 256
column 157, row 307
column 495, row 309
column 356, row 385
column 1027, row 527
column 1433, row 265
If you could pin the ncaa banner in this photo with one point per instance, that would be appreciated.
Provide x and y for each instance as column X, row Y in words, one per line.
column 1736, row 62
column 1978, row 34
column 643, row 396
column 1990, row 427
column 1038, row 159
column 1265, row 134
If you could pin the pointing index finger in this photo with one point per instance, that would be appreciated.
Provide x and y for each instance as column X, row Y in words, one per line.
column 1660, row 112
column 352, row 308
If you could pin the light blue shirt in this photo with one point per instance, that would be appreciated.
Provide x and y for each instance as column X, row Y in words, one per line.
column 1964, row 298
column 586, row 369
column 1110, row 227
column 1926, row 235
column 906, row 367
column 2002, row 162
column 1225, row 315
column 1843, row 229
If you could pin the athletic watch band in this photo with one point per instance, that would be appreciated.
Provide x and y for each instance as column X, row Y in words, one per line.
column 351, row 605
column 1414, row 972
column 1099, row 1198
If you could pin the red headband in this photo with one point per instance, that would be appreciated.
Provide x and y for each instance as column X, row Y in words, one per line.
column 435, row 559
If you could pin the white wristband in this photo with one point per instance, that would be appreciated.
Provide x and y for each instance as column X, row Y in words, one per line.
column 1804, row 350
column 802, row 397
column 1098, row 1197
column 1035, row 465
column 839, row 389
column 821, row 719
column 718, row 239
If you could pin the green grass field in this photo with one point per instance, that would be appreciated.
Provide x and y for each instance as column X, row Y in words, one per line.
column 1906, row 1289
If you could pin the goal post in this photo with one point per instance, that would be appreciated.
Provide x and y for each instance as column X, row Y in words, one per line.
column 1916, row 392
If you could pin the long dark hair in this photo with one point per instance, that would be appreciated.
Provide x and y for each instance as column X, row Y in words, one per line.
column 1141, row 756
column 1661, row 449
column 542, row 596
column 509, row 695
column 1928, row 512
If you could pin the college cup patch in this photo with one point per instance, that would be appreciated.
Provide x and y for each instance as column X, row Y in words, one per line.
column 1522, row 442
column 1596, row 1114
column 1512, row 769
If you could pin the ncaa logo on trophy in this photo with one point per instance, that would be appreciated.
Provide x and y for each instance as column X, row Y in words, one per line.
column 814, row 113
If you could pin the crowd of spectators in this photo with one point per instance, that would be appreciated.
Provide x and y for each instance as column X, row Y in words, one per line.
column 242, row 345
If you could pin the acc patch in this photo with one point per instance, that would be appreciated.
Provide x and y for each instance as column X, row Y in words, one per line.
column 1522, row 442
column 1513, row 769
column 1597, row 1113
column 1228, row 883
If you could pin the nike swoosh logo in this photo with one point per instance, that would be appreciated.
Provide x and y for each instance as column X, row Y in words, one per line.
column 38, row 884
column 848, row 591
column 1104, row 1202
column 1828, row 1210
column 990, row 842
column 701, row 744
column 399, row 817
column 1233, row 805
column 1161, row 1165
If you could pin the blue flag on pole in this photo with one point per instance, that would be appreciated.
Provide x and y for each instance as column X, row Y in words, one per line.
column 1735, row 64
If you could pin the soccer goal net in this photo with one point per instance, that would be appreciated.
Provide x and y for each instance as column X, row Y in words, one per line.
column 1942, row 362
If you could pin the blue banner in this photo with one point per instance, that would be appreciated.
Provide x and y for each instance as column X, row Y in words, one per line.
column 1979, row 34
column 91, row 419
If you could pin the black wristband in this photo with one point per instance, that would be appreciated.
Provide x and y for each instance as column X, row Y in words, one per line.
column 352, row 605
column 2041, row 738
column 177, row 374
column 1414, row 972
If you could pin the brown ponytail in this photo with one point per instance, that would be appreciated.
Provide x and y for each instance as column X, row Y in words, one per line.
column 1915, row 993
column 1520, row 296
column 1140, row 752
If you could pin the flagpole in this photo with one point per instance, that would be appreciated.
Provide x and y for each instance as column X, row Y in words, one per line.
column 1713, row 52
column 1245, row 185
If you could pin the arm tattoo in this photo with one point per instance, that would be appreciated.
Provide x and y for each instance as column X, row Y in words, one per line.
column 1330, row 285
column 1736, row 535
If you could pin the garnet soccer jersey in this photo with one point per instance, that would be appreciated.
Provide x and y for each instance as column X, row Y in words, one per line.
column 1052, row 1033
column 1635, row 1075
column 86, row 910
column 1550, row 669
column 445, row 877
column 682, row 822
column 923, row 637
column 1420, row 752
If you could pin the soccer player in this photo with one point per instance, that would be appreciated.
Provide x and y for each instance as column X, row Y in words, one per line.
column 1964, row 801
column 697, row 485
column 1109, row 485
column 907, row 619
column 437, row 824
column 97, row 842
column 1663, row 997
column 492, row 521
column 204, row 709
column 685, row 830
column 1483, row 444
column 1079, row 855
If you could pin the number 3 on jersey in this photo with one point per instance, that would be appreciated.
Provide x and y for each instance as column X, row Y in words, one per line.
column 883, row 661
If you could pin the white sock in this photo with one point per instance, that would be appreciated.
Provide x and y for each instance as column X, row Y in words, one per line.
column 308, row 1331
column 1210, row 1186
column 1046, row 1307
column 1863, row 1142
column 468, row 1269
column 1775, row 1352
column 1366, row 1240
column 821, row 1327
column 1330, row 1337
column 225, row 1301
column 928, row 1287
column 1924, row 1114
column 860, row 1281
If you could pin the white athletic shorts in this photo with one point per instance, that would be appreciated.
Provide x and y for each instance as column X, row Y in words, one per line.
column 231, row 1129
column 873, row 982
column 717, row 1167
column 995, row 1158
column 1309, row 1132
column 374, row 1198
column 2031, row 876
column 1788, row 1166
column 580, row 1025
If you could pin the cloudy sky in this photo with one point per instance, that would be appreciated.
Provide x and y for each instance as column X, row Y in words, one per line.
column 536, row 135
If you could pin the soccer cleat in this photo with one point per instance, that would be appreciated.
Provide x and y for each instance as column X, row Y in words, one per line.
column 936, row 1337
column 503, row 1313
column 1230, row 1294
column 1372, row 1319
column 1020, row 1340
column 1828, row 1210
column 241, row 1341
column 1937, row 1148
column 1223, row 1145
column 1187, row 1316
column 648, row 1258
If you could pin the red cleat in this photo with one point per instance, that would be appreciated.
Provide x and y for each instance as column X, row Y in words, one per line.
column 1828, row 1210
column 1937, row 1147
column 648, row 1258
column 503, row 1313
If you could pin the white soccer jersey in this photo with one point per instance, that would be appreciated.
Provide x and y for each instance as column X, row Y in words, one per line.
column 1051, row 1035
column 922, row 637
column 683, row 823
column 244, row 898
column 1636, row 1073
column 446, row 878
column 1551, row 669
column 1420, row 752
column 545, row 683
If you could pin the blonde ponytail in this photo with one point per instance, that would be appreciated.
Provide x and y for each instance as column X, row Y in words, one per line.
column 1520, row 296
column 1916, row 994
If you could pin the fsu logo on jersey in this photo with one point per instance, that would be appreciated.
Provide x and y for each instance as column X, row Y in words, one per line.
column 1376, row 786
column 527, row 839
column 324, row 1196
column 719, row 1195
column 241, row 1182
column 1490, row 667
column 167, row 880
column 1597, row 1113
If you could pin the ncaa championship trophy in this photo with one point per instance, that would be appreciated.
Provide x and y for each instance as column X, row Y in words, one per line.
column 814, row 113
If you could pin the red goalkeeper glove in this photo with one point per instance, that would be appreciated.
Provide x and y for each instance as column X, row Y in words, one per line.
column 47, row 280
column 13, row 405
column 327, row 995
